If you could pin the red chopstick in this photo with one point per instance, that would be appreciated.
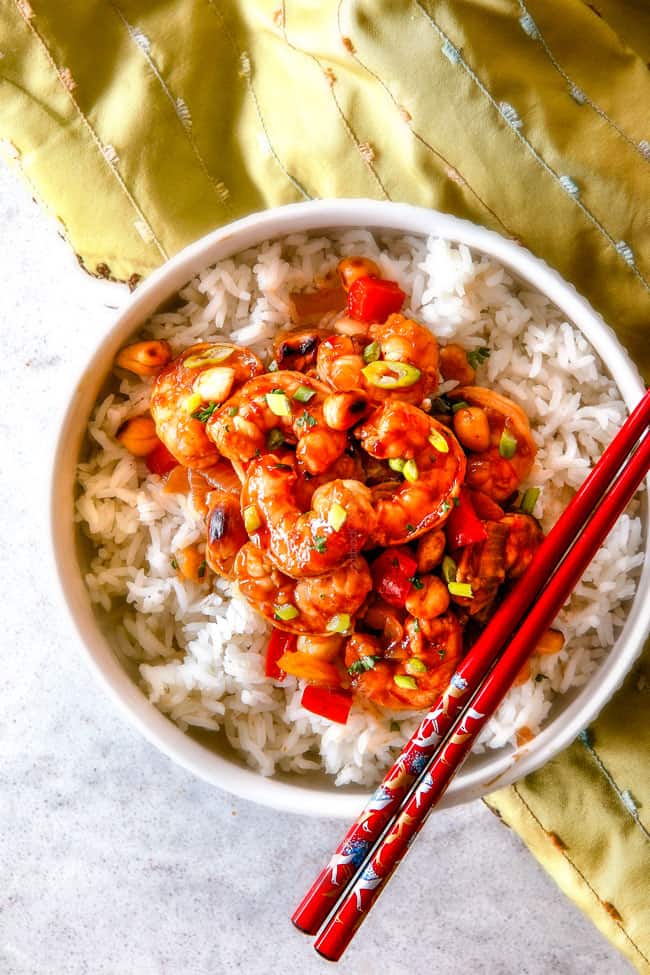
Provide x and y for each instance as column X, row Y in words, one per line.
column 359, row 839
column 356, row 903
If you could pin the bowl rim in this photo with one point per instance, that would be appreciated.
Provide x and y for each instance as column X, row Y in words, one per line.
column 504, row 767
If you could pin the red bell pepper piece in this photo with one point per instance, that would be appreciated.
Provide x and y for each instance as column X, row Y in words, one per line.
column 392, row 573
column 463, row 526
column 160, row 461
column 334, row 705
column 279, row 644
column 373, row 299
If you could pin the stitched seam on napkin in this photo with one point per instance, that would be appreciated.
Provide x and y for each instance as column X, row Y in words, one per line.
column 452, row 172
column 582, row 876
column 508, row 113
column 86, row 123
column 609, row 778
column 220, row 189
column 330, row 80
column 258, row 110
column 572, row 86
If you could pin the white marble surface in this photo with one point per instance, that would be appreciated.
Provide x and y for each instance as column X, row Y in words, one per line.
column 113, row 860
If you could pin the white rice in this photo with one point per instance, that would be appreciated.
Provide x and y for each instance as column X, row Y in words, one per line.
column 200, row 654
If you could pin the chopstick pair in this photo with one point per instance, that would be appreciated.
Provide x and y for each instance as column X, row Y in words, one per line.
column 375, row 844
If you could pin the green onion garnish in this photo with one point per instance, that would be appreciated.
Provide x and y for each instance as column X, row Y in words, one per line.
column 397, row 464
column 337, row 516
column 391, row 375
column 449, row 569
column 507, row 445
column 339, row 623
column 438, row 442
column 416, row 582
column 252, row 520
column 279, row 404
column 274, row 438
column 415, row 666
column 460, row 405
column 371, row 352
column 460, row 589
column 285, row 612
column 529, row 500
column 478, row 356
column 408, row 683
column 410, row 471
column 320, row 544
column 362, row 664
column 303, row 394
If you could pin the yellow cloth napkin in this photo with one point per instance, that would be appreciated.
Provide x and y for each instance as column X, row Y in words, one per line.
column 143, row 125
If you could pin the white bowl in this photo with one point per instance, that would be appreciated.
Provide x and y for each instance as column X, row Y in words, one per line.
column 211, row 759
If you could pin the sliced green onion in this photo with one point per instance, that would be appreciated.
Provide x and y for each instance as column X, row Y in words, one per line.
column 371, row 352
column 529, row 500
column 415, row 666
column 460, row 589
column 303, row 394
column 337, row 516
column 460, row 405
column 285, row 612
column 478, row 356
column 279, row 404
column 391, row 375
column 252, row 520
column 416, row 582
column 216, row 353
column 507, row 445
column 339, row 623
column 449, row 569
column 408, row 683
column 410, row 471
column 397, row 464
column 438, row 442
column 274, row 438
column 233, row 410
column 320, row 544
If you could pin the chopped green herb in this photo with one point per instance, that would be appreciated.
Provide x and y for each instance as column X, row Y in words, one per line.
column 174, row 564
column 303, row 394
column 416, row 625
column 320, row 544
column 478, row 356
column 540, row 677
column 306, row 420
column 204, row 413
column 274, row 438
column 258, row 452
column 445, row 507
column 507, row 445
column 456, row 502
column 442, row 654
column 362, row 664
column 201, row 569
column 282, row 467
column 371, row 352
column 410, row 529
column 460, row 405
column 529, row 500
column 416, row 582
column 233, row 411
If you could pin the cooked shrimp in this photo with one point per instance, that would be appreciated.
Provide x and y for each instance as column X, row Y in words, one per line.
column 333, row 531
column 277, row 407
column 499, row 469
column 412, row 681
column 186, row 390
column 347, row 467
column 225, row 532
column 321, row 647
column 401, row 361
column 422, row 501
column 524, row 538
column 297, row 607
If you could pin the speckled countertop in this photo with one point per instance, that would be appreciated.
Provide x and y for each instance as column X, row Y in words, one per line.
column 114, row 860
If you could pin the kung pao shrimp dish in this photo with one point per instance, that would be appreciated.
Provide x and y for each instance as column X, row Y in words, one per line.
column 372, row 521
